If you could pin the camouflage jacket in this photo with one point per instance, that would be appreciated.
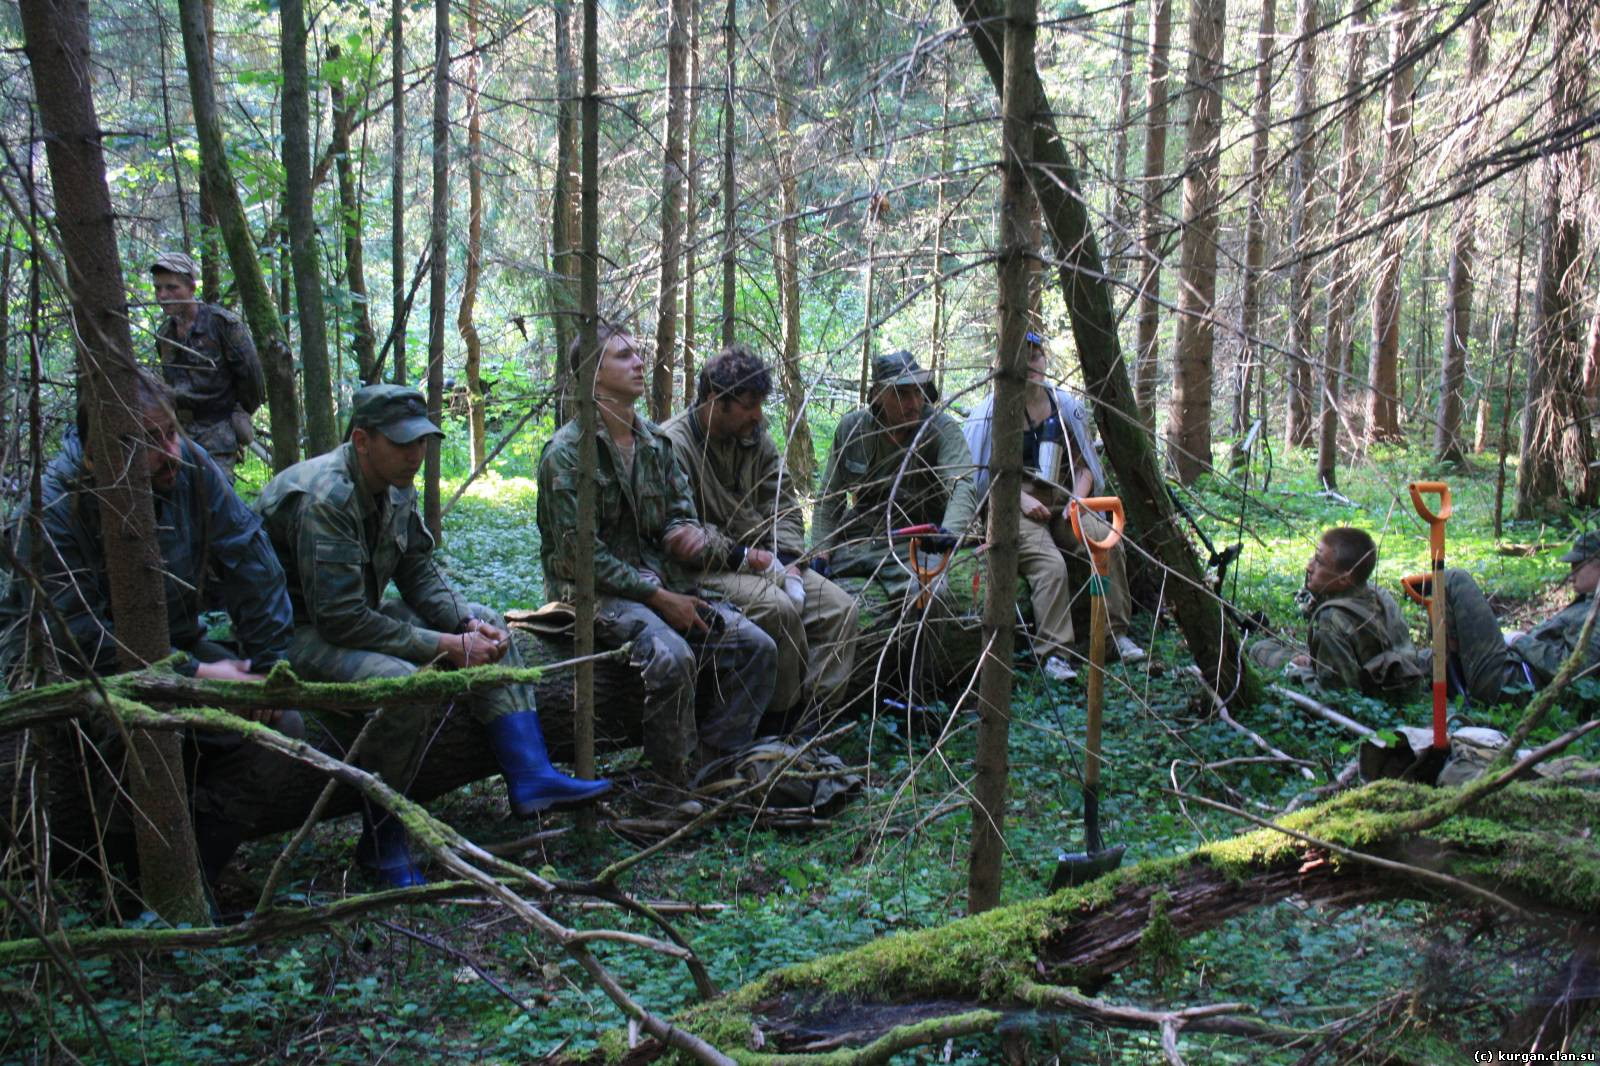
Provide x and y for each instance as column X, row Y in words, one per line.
column 1547, row 645
column 204, row 532
column 341, row 544
column 741, row 491
column 1359, row 641
column 634, row 509
column 212, row 369
column 861, row 500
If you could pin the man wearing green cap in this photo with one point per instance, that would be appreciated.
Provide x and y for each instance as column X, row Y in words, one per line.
column 206, row 355
column 897, row 462
column 345, row 524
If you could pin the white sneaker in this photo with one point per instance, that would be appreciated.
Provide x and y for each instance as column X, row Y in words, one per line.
column 1129, row 652
column 1058, row 669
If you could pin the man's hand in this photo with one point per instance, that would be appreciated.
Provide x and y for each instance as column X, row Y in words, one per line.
column 471, row 648
column 758, row 560
column 492, row 633
column 820, row 566
column 227, row 670
column 685, row 543
column 1303, row 661
column 1034, row 508
column 679, row 611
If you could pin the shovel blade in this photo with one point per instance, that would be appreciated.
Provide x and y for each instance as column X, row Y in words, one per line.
column 1080, row 867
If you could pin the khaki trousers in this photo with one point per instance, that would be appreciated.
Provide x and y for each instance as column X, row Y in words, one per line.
column 1045, row 569
column 1119, row 601
column 816, row 643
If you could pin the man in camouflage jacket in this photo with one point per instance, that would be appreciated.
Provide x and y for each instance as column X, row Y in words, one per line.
column 345, row 525
column 648, row 550
column 749, row 511
column 206, row 355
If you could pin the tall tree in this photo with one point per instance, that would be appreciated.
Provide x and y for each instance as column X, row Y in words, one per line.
column 397, row 187
column 1152, row 223
column 322, row 433
column 259, row 310
column 941, row 219
column 1018, row 251
column 564, row 254
column 1255, row 241
column 691, row 318
column 1447, row 442
column 1121, row 207
column 350, row 213
column 465, row 323
column 210, row 243
column 56, row 39
column 588, row 413
column 1383, row 369
column 1302, row 172
column 1342, row 285
column 730, row 187
column 1189, row 416
column 438, row 247
column 799, row 459
column 673, row 178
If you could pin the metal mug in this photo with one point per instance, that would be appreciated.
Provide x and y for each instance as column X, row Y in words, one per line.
column 1050, row 453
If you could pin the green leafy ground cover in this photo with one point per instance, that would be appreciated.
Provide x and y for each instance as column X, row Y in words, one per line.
column 893, row 861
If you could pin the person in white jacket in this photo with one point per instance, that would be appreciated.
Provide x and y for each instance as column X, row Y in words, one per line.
column 1059, row 457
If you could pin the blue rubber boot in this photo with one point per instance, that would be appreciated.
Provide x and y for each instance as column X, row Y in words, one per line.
column 532, row 784
column 384, row 850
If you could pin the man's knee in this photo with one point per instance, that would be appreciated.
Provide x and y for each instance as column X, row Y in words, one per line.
column 664, row 659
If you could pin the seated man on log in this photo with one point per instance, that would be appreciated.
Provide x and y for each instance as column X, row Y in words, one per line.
column 648, row 546
column 751, row 516
column 345, row 524
column 1059, row 463
column 57, row 618
column 1357, row 638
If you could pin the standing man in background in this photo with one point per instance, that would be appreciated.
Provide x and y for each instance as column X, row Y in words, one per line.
column 206, row 355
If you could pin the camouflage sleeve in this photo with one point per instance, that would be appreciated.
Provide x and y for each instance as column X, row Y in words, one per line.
column 777, row 497
column 70, row 582
column 1334, row 657
column 682, row 472
column 333, row 562
column 832, row 500
column 557, row 511
column 253, row 584
column 248, row 381
column 423, row 584
column 956, row 470
column 1547, row 646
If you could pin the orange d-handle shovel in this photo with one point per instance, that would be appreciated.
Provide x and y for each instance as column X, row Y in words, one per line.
column 1436, row 518
column 1082, row 867
column 926, row 575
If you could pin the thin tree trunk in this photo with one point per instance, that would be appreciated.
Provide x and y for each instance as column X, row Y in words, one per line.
column 350, row 225
column 438, row 251
column 1511, row 358
column 1302, row 172
column 210, row 249
column 588, row 413
column 1341, row 289
column 1121, row 207
column 469, row 283
column 672, row 185
column 564, row 304
column 1189, row 416
column 941, row 325
column 322, row 433
column 259, row 310
column 1255, row 240
column 1383, row 372
column 397, row 190
column 1211, row 640
column 172, row 139
column 730, row 188
column 692, row 205
column 1018, row 251
column 1152, row 222
column 799, row 455
column 56, row 36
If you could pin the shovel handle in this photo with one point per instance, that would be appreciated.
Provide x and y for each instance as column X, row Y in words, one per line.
column 1098, row 549
column 1435, row 518
column 1413, row 585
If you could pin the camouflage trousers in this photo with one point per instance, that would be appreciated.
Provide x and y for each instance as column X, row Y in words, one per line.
column 397, row 737
column 1480, row 666
column 704, row 693
column 816, row 643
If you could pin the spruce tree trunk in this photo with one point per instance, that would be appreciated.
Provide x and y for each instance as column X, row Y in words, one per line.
column 1018, row 250
column 1383, row 371
column 564, row 209
column 941, row 325
column 673, row 177
column 322, row 434
column 397, row 188
column 259, row 310
column 1121, row 207
column 1152, row 221
column 465, row 325
column 210, row 234
column 1189, row 416
column 1302, row 172
column 692, row 205
column 56, row 40
column 799, row 454
column 730, row 187
column 588, row 413
column 438, row 255
column 361, row 339
column 1255, row 239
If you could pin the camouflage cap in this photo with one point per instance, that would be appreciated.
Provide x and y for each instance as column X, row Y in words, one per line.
column 399, row 413
column 175, row 263
column 899, row 368
column 1586, row 547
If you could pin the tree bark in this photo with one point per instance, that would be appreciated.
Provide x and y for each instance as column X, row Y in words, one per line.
column 210, row 250
column 1017, row 237
column 1383, row 376
column 465, row 324
column 1251, row 350
column 1189, row 416
column 799, row 452
column 564, row 223
column 438, row 253
column 692, row 205
column 350, row 213
column 1152, row 223
column 56, row 40
column 673, row 176
column 1302, row 172
column 1121, row 206
column 259, row 310
column 730, row 187
column 584, row 594
column 399, row 307
column 1211, row 640
column 322, row 432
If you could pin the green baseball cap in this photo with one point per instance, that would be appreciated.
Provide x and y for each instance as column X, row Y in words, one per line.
column 1586, row 547
column 399, row 413
column 899, row 368
column 175, row 263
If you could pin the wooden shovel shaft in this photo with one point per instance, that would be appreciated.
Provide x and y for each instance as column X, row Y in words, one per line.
column 1436, row 519
column 1098, row 619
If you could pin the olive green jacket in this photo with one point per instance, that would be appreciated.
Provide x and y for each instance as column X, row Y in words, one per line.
column 741, row 491
column 1359, row 641
column 875, row 484
column 1547, row 645
column 341, row 544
